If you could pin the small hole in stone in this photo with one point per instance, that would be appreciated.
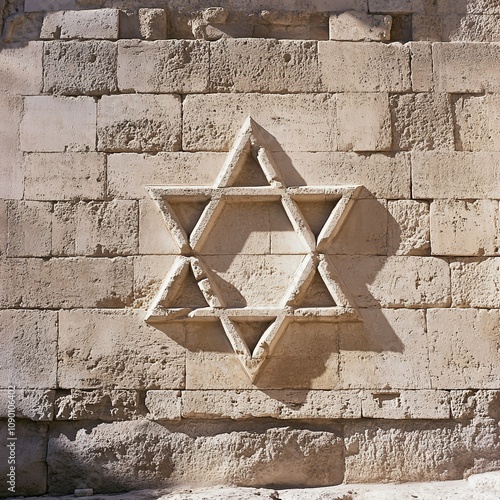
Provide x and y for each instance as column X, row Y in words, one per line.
column 92, row 58
column 287, row 57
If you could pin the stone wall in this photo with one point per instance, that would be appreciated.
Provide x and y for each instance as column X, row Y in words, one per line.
column 335, row 318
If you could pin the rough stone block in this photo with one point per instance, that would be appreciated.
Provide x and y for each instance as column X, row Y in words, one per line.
column 470, row 28
column 422, row 122
column 417, row 404
column 49, row 5
column 64, row 176
column 458, row 175
column 296, row 122
column 363, row 122
column 364, row 67
column 396, row 6
column 281, row 65
column 163, row 405
column 75, row 68
column 408, row 227
column 475, row 282
column 427, row 28
column 62, row 283
column 421, row 66
column 468, row 7
column 356, row 26
column 153, row 24
column 180, row 66
column 99, row 24
column 95, row 228
column 99, row 349
column 28, row 348
column 463, row 348
column 154, row 236
column 21, row 68
column 29, row 229
column 471, row 404
column 32, row 404
column 52, row 124
column 461, row 227
column 3, row 226
column 139, row 123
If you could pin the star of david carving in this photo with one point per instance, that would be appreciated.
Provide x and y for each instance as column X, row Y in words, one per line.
column 190, row 265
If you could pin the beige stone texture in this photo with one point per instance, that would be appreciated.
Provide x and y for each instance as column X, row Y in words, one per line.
column 66, row 283
column 464, row 348
column 296, row 122
column 359, row 26
column 28, row 348
column 75, row 68
column 154, row 237
column 21, row 68
column 462, row 175
column 58, row 124
column 462, row 227
column 139, row 123
column 64, row 176
column 408, row 227
column 422, row 78
column 3, row 226
column 163, row 405
column 396, row 6
column 422, row 122
column 468, row 7
column 164, row 66
column 470, row 28
column 32, row 404
column 363, row 122
column 49, row 5
column 471, row 404
column 475, row 282
column 153, row 24
column 427, row 28
column 29, row 229
column 364, row 67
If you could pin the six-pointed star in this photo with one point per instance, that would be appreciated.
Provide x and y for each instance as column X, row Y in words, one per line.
column 190, row 263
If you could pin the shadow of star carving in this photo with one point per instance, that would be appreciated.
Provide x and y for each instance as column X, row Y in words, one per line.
column 190, row 265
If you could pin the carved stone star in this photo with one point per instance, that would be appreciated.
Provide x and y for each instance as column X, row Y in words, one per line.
column 190, row 264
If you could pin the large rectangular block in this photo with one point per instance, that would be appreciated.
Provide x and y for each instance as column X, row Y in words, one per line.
column 52, row 124
column 139, row 123
column 163, row 405
column 455, row 175
column 359, row 26
column 291, row 122
column 470, row 404
column 470, row 28
column 64, row 176
column 467, row 7
column 364, row 67
column 163, row 66
column 21, row 68
column 32, row 404
column 28, row 349
column 99, row 349
column 464, row 348
column 421, row 66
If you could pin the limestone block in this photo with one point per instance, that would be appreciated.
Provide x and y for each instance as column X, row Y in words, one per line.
column 28, row 348
column 395, row 281
column 153, row 23
column 95, row 228
column 264, row 65
column 427, row 28
column 471, row 404
column 466, row 67
column 154, row 236
column 29, row 229
column 163, row 405
column 461, row 227
column 475, row 282
column 30, row 454
column 421, row 404
column 53, row 124
column 100, row 349
column 364, row 122
column 388, row 350
column 64, row 176
column 467, row 7
column 176, row 454
column 408, row 227
column 396, row 6
column 128, row 173
column 464, row 348
column 470, row 28
column 75, row 68
column 364, row 67
column 21, row 68
column 458, row 175
column 62, row 283
column 298, row 122
column 422, row 122
column 99, row 24
column 356, row 26
column 139, row 123
column 33, row 404
column 49, row 5
column 3, row 226
column 163, row 66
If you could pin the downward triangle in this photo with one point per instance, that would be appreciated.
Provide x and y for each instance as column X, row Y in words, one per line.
column 316, row 294
column 316, row 213
column 252, row 331
column 187, row 212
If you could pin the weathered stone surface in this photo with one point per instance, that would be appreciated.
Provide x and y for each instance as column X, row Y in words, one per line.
column 471, row 404
column 52, row 124
column 64, row 176
column 355, row 26
column 3, row 226
column 21, row 68
column 461, row 227
column 49, row 5
column 464, row 348
column 475, row 282
column 427, row 28
column 153, row 23
column 396, row 6
column 28, row 349
column 470, row 28
column 139, row 123
column 154, row 236
column 75, row 68
column 33, row 404
column 149, row 359
column 66, row 283
column 163, row 405
column 408, row 227
column 421, row 66
column 364, row 67
column 163, row 66
column 468, row 7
